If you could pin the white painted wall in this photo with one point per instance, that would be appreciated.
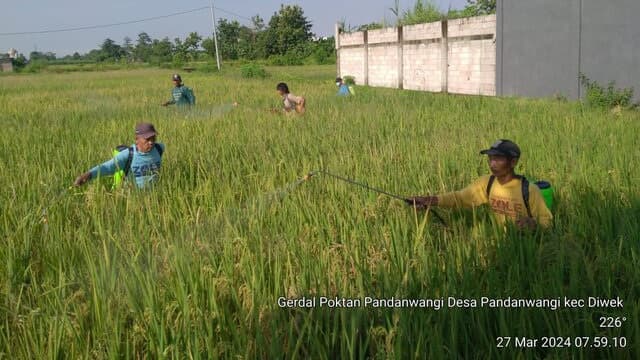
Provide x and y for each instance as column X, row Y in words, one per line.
column 470, row 55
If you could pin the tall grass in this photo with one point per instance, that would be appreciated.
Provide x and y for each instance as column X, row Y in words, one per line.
column 194, row 268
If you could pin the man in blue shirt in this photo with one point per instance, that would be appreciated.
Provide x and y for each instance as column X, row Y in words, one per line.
column 180, row 94
column 141, row 162
column 343, row 89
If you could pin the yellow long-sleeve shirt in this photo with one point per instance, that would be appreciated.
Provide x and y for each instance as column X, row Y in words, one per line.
column 505, row 200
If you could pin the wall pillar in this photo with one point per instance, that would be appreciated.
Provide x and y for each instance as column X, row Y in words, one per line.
column 366, row 57
column 444, row 56
column 337, row 43
column 400, row 59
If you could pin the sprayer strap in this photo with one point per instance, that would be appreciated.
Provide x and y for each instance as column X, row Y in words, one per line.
column 127, row 165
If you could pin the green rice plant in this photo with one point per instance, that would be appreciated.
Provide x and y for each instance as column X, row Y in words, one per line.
column 195, row 268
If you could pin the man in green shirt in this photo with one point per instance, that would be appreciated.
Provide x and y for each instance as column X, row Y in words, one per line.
column 180, row 94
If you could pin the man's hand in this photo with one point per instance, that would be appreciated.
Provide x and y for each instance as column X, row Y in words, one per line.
column 526, row 223
column 82, row 179
column 422, row 202
column 166, row 103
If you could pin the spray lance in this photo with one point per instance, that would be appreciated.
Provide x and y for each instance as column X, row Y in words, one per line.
column 366, row 187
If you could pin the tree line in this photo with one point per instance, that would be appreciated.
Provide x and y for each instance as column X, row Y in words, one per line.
column 285, row 40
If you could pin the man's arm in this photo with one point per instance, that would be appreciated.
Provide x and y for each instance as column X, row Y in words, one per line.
column 105, row 169
column 169, row 102
column 471, row 196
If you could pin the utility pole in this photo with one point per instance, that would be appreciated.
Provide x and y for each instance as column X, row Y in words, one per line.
column 215, row 35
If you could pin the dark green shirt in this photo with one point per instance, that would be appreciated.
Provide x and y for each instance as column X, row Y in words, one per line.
column 182, row 95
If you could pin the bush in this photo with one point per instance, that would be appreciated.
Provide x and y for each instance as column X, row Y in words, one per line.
column 321, row 56
column 349, row 80
column 606, row 97
column 35, row 66
column 288, row 59
column 253, row 71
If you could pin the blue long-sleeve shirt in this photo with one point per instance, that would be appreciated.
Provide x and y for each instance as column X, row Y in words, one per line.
column 343, row 90
column 144, row 166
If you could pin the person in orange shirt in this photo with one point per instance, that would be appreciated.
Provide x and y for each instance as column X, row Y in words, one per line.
column 511, row 196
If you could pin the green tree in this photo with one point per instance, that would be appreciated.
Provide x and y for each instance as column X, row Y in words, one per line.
column 288, row 29
column 179, row 51
column 19, row 61
column 191, row 45
column 143, row 51
column 323, row 51
column 247, row 42
column 161, row 50
column 236, row 41
column 258, row 23
column 95, row 55
column 209, row 47
column 186, row 50
column 480, row 7
column 40, row 56
column 110, row 51
column 228, row 37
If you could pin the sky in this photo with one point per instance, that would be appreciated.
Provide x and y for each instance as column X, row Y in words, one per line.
column 38, row 15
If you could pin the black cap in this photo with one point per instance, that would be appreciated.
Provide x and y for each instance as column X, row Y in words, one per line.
column 146, row 130
column 176, row 77
column 338, row 79
column 503, row 147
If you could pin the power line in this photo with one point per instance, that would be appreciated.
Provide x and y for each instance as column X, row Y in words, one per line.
column 233, row 14
column 119, row 23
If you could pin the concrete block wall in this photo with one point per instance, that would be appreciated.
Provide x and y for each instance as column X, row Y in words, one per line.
column 383, row 65
column 466, row 66
column 478, row 25
column 380, row 36
column 427, row 31
column 422, row 66
column 472, row 55
column 472, row 67
column 352, row 64
column 350, row 39
column 422, row 57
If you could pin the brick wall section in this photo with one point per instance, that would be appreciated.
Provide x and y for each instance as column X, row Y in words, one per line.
column 383, row 65
column 428, row 31
column 349, row 39
column 422, row 67
column 351, row 63
column 472, row 67
column 471, row 56
column 386, row 35
column 479, row 25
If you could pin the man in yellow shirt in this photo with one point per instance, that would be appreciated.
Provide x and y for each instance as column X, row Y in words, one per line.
column 511, row 196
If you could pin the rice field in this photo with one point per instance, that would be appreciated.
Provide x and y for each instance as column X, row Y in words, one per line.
column 199, row 267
